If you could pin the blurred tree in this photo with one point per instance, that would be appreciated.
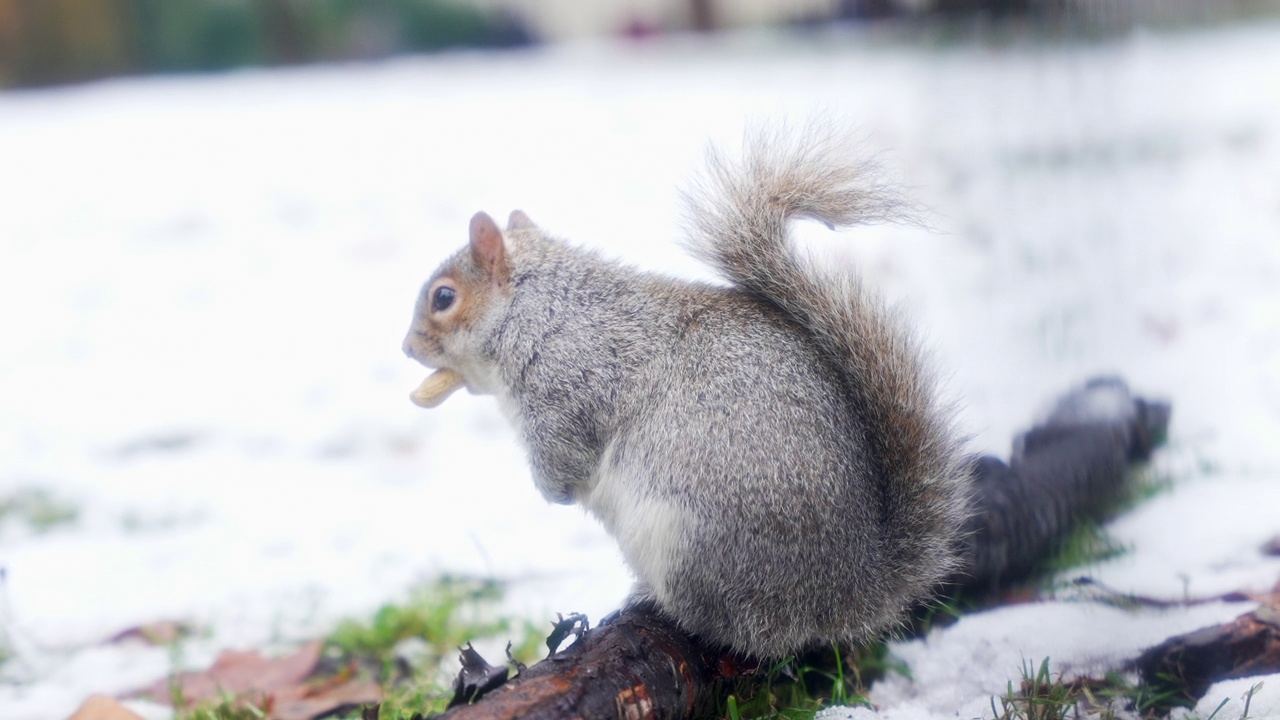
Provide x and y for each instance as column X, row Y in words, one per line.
column 53, row 41
column 866, row 9
column 287, row 39
column 50, row 41
column 703, row 15
column 8, row 40
column 438, row 24
column 196, row 35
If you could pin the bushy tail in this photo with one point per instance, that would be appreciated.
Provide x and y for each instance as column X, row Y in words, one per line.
column 738, row 222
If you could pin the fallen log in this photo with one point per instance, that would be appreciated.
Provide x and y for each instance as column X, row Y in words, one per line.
column 640, row 665
column 1180, row 670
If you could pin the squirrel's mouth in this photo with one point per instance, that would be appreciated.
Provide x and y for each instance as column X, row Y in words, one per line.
column 438, row 386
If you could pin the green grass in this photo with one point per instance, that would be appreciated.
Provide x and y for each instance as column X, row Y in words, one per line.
column 435, row 620
column 224, row 709
column 407, row 647
column 1217, row 711
column 444, row 615
column 1040, row 696
column 6, row 650
column 1088, row 544
column 37, row 508
column 1146, row 700
column 798, row 688
column 1248, row 698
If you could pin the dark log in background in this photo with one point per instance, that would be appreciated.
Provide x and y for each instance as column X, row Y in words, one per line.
column 1182, row 668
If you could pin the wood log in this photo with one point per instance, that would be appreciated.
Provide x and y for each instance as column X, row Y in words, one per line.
column 638, row 666
column 1181, row 669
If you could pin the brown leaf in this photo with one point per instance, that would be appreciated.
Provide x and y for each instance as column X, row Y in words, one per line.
column 101, row 707
column 277, row 685
column 237, row 673
column 329, row 699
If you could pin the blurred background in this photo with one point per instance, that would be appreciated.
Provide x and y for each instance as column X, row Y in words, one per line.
column 54, row 41
column 215, row 216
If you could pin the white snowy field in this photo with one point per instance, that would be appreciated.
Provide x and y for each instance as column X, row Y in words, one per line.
column 204, row 283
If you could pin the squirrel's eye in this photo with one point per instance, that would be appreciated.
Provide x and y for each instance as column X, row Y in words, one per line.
column 442, row 299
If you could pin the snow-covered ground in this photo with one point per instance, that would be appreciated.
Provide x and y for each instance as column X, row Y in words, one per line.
column 204, row 283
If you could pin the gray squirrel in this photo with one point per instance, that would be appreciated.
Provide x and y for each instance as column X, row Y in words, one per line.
column 771, row 455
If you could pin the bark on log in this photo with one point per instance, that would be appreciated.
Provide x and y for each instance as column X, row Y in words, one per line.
column 638, row 666
column 1183, row 667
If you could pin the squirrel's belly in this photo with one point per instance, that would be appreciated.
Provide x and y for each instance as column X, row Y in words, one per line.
column 651, row 531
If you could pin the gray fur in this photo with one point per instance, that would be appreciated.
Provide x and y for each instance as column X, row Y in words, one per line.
column 770, row 456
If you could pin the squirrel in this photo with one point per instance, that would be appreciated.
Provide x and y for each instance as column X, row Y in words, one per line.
column 771, row 455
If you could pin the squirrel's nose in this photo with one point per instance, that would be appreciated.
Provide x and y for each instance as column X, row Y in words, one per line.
column 407, row 347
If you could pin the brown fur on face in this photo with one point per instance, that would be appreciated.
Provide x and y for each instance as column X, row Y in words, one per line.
column 477, row 274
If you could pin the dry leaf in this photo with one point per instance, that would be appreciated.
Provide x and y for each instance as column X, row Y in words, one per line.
column 331, row 698
column 237, row 673
column 276, row 685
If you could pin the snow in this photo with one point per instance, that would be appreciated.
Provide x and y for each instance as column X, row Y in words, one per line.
column 204, row 282
column 959, row 668
column 1228, row 699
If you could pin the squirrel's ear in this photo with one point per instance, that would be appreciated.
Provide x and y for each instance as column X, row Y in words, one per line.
column 487, row 249
column 519, row 221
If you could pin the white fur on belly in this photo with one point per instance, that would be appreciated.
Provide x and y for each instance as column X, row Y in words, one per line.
column 649, row 530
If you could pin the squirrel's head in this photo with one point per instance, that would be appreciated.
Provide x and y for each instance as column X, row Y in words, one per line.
column 458, row 310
